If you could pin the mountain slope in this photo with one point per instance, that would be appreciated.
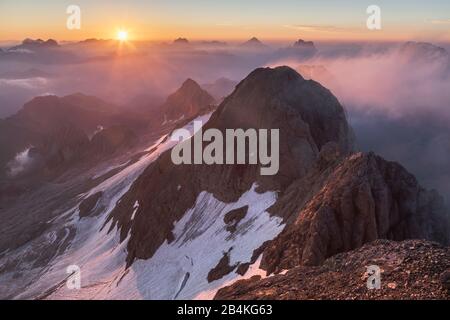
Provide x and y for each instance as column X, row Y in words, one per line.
column 54, row 126
column 151, row 229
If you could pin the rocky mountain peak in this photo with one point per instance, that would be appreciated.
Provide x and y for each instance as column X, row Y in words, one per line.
column 304, row 44
column 187, row 101
column 189, row 85
column 254, row 43
column 181, row 41
column 280, row 97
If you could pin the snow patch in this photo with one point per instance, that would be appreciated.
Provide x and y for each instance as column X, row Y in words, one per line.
column 135, row 209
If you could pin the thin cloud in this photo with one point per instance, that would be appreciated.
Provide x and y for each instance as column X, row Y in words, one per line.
column 440, row 21
column 318, row 28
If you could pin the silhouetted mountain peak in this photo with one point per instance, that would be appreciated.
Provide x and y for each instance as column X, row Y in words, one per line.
column 190, row 84
column 254, row 43
column 187, row 101
column 304, row 44
column 182, row 41
column 423, row 50
column 36, row 44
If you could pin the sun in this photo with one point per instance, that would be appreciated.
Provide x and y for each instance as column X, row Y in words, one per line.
column 122, row 35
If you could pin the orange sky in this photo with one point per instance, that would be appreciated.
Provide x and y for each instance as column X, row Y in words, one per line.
column 226, row 20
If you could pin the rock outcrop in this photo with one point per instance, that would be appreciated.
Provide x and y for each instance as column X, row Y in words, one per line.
column 363, row 199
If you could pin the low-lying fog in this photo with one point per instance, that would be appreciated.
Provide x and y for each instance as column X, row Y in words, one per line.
column 397, row 96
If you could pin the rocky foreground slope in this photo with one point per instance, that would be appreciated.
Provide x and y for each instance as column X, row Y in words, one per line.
column 411, row 269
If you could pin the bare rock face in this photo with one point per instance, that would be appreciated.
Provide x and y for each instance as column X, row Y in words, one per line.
column 365, row 198
column 233, row 218
column 57, row 126
column 410, row 269
column 63, row 146
column 189, row 100
column 308, row 117
column 222, row 268
column 111, row 139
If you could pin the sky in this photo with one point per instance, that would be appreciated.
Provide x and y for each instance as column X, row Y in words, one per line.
column 227, row 20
